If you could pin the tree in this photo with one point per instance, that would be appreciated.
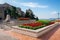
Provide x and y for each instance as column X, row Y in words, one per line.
column 36, row 18
column 32, row 16
column 27, row 14
column 14, row 13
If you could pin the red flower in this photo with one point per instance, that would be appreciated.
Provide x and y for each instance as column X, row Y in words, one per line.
column 23, row 18
column 35, row 24
column 51, row 22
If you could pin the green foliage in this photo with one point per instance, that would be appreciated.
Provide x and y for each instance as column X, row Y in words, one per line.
column 14, row 14
column 33, row 28
column 46, row 22
column 27, row 15
column 32, row 16
column 36, row 18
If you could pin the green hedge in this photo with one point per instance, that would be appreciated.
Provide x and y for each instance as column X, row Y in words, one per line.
column 33, row 28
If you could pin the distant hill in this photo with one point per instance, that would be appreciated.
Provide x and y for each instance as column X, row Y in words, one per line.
column 52, row 18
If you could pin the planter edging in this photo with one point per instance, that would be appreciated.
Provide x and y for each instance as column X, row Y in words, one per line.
column 34, row 33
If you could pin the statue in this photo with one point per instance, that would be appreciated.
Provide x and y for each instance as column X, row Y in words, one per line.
column 7, row 18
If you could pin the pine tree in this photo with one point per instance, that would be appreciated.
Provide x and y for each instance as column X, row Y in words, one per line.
column 27, row 14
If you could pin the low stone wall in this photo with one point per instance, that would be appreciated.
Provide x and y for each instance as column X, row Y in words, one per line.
column 34, row 33
column 19, row 22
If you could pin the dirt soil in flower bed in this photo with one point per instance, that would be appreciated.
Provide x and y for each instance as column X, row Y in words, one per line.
column 36, row 25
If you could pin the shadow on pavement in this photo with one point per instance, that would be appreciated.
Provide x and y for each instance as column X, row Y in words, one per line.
column 49, row 34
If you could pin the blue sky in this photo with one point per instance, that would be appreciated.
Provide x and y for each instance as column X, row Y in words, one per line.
column 44, row 9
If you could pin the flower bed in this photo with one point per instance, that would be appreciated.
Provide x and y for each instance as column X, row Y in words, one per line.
column 35, row 29
column 36, row 25
column 34, row 33
column 23, row 18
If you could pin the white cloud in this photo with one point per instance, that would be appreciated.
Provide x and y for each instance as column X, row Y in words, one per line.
column 27, row 4
column 2, row 1
column 33, row 5
column 54, row 12
column 14, row 1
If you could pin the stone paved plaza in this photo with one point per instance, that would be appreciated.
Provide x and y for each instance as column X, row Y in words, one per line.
column 4, row 36
column 7, row 33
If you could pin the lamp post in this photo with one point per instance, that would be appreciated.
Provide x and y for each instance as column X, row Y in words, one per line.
column 58, row 16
